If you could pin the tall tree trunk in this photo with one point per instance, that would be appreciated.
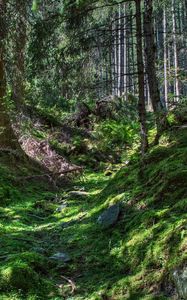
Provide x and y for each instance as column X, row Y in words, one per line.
column 128, row 52
column 150, row 53
column 119, row 51
column 122, row 51
column 170, row 85
column 19, row 52
column 125, row 53
column 141, row 102
column 113, row 59
column 116, row 56
column 7, row 137
column 132, row 47
column 177, row 93
column 165, row 57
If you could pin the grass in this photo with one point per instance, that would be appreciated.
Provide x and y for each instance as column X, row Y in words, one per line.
column 134, row 259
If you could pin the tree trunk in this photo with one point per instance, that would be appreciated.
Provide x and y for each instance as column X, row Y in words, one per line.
column 128, row 52
column 119, row 51
column 19, row 51
column 133, row 88
column 150, row 53
column 113, row 59
column 7, row 136
column 116, row 57
column 125, row 54
column 177, row 93
column 122, row 51
column 165, row 57
column 141, row 102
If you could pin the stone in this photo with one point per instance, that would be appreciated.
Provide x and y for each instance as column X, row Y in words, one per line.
column 78, row 194
column 61, row 207
column 109, row 217
column 180, row 280
column 61, row 256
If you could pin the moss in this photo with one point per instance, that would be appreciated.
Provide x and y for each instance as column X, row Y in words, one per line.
column 20, row 276
column 132, row 260
column 23, row 273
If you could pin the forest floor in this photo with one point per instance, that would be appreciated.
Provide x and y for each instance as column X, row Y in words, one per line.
column 134, row 259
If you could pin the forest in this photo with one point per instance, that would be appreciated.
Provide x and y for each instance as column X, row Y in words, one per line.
column 93, row 149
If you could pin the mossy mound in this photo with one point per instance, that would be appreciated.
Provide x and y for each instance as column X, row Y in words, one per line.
column 23, row 272
column 18, row 275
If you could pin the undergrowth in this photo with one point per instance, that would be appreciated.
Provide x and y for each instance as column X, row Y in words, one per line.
column 134, row 259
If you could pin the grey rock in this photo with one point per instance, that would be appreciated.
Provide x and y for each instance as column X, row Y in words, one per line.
column 180, row 280
column 61, row 256
column 109, row 217
column 61, row 207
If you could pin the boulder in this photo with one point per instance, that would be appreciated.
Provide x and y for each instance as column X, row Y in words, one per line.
column 180, row 280
column 61, row 256
column 109, row 217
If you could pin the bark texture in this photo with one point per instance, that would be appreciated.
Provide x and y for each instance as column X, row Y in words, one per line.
column 140, row 65
column 7, row 137
column 19, row 51
column 150, row 56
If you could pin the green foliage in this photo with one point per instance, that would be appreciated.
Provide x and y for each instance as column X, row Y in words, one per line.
column 171, row 118
column 133, row 260
column 35, row 5
column 113, row 132
column 180, row 111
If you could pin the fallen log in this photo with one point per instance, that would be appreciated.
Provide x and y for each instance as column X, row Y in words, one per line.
column 50, row 176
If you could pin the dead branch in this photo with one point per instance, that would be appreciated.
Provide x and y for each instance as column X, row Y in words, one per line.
column 51, row 175
column 72, row 284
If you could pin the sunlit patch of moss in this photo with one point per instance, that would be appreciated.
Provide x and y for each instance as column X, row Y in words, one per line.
column 130, row 260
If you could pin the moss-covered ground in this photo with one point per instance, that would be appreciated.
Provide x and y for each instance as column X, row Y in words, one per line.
column 132, row 260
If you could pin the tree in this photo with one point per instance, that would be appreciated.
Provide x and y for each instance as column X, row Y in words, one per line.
column 150, row 53
column 141, row 102
column 177, row 93
column 19, row 52
column 7, row 136
column 165, row 57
